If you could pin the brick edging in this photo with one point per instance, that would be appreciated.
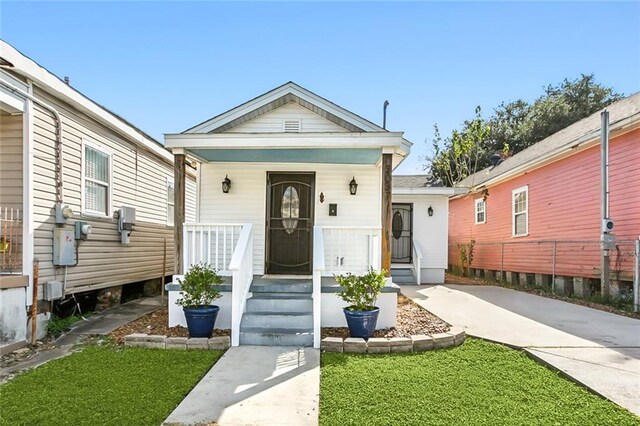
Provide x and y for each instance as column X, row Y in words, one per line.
column 142, row 340
column 381, row 345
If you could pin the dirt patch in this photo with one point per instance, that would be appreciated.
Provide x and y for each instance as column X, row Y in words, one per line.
column 411, row 319
column 28, row 352
column 156, row 323
column 456, row 279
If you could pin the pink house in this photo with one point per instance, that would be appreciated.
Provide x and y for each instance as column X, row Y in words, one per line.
column 540, row 223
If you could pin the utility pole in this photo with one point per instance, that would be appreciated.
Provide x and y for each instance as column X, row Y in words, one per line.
column 607, row 239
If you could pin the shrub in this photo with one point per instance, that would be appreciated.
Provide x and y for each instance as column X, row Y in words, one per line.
column 361, row 291
column 200, row 286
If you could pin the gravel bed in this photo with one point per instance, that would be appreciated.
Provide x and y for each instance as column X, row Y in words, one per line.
column 411, row 319
column 156, row 323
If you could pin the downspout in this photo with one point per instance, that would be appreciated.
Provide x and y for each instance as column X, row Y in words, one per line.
column 58, row 123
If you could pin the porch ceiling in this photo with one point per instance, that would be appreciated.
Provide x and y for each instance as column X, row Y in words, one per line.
column 287, row 155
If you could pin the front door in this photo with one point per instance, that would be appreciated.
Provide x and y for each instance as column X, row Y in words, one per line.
column 289, row 223
column 401, row 233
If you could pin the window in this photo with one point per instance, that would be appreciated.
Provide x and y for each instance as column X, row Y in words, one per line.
column 170, row 201
column 481, row 211
column 96, row 182
column 520, row 200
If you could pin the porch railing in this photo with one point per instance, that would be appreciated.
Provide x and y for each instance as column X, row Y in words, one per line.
column 241, row 267
column 417, row 259
column 352, row 249
column 318, row 270
column 339, row 250
column 212, row 243
column 10, row 241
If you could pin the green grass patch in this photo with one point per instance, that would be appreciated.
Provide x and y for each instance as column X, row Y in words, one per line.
column 478, row 383
column 104, row 385
column 56, row 325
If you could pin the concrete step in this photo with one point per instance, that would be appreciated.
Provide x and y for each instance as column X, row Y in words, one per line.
column 260, row 336
column 268, row 295
column 280, row 287
column 279, row 320
column 397, row 272
column 288, row 303
column 403, row 279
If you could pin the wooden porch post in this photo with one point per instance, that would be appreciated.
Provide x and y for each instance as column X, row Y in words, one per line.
column 179, row 179
column 387, row 167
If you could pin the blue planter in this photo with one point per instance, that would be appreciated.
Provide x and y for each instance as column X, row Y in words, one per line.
column 201, row 320
column 361, row 323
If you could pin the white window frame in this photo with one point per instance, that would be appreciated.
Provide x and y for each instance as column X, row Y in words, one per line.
column 484, row 210
column 515, row 192
column 170, row 181
column 106, row 151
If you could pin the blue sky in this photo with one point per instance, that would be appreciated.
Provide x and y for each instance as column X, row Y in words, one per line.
column 167, row 66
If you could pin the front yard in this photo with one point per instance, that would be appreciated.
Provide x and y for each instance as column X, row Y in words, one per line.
column 476, row 383
column 104, row 385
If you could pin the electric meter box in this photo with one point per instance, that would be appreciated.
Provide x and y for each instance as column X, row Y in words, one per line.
column 64, row 247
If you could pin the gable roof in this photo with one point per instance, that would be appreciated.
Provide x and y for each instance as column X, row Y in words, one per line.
column 623, row 113
column 414, row 181
column 288, row 92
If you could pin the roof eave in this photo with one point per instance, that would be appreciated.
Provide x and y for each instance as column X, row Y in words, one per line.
column 274, row 94
column 51, row 84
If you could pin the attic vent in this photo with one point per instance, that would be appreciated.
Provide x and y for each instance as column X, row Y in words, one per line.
column 292, row 126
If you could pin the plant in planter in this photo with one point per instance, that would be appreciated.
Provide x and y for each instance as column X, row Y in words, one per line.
column 361, row 293
column 200, row 287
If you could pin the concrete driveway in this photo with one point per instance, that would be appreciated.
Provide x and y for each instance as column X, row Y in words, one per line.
column 596, row 348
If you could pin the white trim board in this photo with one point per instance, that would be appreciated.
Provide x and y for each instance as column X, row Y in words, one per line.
column 287, row 88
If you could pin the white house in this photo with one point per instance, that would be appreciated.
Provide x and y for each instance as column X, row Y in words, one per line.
column 293, row 189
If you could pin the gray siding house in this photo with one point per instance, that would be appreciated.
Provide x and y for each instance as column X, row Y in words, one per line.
column 86, row 198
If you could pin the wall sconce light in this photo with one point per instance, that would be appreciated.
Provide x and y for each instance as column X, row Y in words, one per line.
column 430, row 211
column 321, row 197
column 226, row 184
column 353, row 186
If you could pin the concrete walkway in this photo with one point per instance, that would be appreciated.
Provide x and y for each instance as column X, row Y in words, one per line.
column 99, row 324
column 255, row 385
column 595, row 348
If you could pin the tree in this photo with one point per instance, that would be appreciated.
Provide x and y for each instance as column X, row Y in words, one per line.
column 461, row 152
column 515, row 126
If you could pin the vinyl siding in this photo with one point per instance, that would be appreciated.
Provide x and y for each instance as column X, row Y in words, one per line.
column 138, row 180
column 272, row 122
column 246, row 202
column 564, row 204
column 11, row 161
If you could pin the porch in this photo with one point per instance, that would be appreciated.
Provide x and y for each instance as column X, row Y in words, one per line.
column 281, row 309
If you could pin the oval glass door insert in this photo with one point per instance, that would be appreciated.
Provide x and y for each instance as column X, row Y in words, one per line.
column 396, row 225
column 290, row 209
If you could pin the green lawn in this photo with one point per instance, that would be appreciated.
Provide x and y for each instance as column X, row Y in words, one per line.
column 104, row 385
column 476, row 383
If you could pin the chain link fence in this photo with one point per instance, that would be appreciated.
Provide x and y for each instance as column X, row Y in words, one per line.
column 560, row 266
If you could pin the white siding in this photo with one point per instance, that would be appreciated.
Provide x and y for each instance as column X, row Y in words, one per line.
column 272, row 122
column 139, row 180
column 246, row 202
column 11, row 161
column 431, row 232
